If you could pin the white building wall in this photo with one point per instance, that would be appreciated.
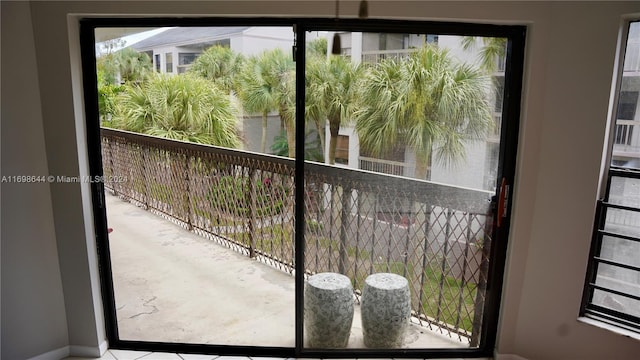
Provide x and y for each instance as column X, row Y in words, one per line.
column 454, row 45
column 468, row 172
column 257, row 39
column 236, row 43
column 162, row 51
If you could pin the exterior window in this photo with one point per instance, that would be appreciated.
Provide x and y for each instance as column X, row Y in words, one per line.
column 169, row 62
column 185, row 60
column 157, row 61
column 342, row 150
column 612, row 288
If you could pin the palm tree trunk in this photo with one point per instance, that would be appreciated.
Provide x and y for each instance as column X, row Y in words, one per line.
column 333, row 141
column 321, row 134
column 423, row 166
column 291, row 137
column 334, row 127
column 263, row 141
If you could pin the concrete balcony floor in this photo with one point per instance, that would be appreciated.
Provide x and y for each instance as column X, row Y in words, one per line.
column 172, row 285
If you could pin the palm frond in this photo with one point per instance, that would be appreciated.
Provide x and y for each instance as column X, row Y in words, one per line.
column 182, row 107
column 429, row 102
column 220, row 65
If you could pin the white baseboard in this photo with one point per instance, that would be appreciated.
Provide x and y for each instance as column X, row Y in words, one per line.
column 88, row 351
column 56, row 354
column 508, row 357
column 104, row 346
column 74, row 350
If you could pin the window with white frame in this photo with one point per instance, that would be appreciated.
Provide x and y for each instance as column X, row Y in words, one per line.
column 169, row 62
column 612, row 287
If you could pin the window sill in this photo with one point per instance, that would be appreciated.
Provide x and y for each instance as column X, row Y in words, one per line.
column 609, row 327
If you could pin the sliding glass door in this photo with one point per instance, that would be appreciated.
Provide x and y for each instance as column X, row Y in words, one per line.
column 195, row 124
column 302, row 187
column 403, row 161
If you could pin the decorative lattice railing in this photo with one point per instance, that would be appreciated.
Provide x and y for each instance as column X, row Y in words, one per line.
column 357, row 222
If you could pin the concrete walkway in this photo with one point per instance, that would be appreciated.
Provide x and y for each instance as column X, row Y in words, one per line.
column 172, row 285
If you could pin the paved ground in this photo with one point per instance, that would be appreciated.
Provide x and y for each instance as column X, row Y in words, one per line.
column 175, row 286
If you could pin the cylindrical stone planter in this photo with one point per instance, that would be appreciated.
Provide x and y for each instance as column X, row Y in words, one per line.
column 328, row 310
column 385, row 310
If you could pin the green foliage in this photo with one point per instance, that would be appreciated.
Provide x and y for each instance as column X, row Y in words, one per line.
column 491, row 51
column 220, row 65
column 267, row 83
column 126, row 64
column 183, row 107
column 107, row 100
column 312, row 148
column 133, row 66
column 429, row 102
column 317, row 47
column 332, row 88
column 115, row 68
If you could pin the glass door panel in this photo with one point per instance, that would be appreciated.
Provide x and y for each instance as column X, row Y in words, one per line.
column 403, row 140
column 196, row 127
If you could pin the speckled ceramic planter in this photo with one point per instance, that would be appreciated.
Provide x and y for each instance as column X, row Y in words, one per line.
column 386, row 309
column 328, row 310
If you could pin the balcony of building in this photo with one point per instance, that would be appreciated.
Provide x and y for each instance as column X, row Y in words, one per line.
column 204, row 239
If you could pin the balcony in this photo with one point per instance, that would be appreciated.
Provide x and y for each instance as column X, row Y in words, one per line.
column 626, row 141
column 357, row 223
column 398, row 168
column 375, row 56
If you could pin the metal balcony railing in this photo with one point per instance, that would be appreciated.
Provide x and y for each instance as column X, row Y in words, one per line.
column 626, row 140
column 383, row 166
column 624, row 132
column 357, row 222
column 375, row 56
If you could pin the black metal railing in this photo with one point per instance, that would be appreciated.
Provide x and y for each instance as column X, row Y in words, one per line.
column 357, row 222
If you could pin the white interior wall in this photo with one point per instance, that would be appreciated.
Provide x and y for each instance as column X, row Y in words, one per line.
column 34, row 318
column 555, row 188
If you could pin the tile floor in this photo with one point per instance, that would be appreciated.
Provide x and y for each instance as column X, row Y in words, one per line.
column 145, row 355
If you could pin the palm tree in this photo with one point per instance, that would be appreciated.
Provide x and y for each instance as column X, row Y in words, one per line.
column 184, row 108
column 113, row 68
column 220, row 65
column 265, row 85
column 317, row 47
column 428, row 102
column 133, row 66
column 286, row 97
column 332, row 88
column 493, row 50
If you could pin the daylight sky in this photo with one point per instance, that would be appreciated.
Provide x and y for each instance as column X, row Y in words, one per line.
column 132, row 39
